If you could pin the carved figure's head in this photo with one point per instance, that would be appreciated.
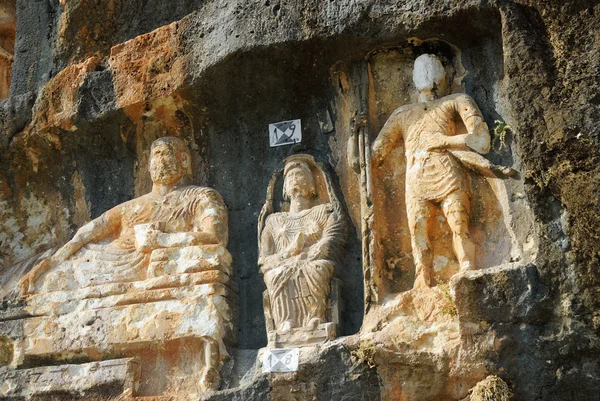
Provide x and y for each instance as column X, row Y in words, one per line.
column 298, row 180
column 429, row 77
column 170, row 160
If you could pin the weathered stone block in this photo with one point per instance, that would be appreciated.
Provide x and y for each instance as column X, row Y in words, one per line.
column 117, row 376
column 149, row 66
column 510, row 293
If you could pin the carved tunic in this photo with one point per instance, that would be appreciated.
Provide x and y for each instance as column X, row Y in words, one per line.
column 433, row 174
column 298, row 286
column 117, row 259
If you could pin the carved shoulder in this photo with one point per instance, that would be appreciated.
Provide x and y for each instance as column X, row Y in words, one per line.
column 203, row 197
column 207, row 205
column 271, row 220
column 399, row 112
column 325, row 208
column 207, row 193
column 273, row 217
column 461, row 99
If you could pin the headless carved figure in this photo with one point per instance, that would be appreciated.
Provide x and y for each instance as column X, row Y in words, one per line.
column 437, row 153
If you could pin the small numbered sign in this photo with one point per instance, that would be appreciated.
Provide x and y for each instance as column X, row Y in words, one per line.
column 280, row 360
column 285, row 133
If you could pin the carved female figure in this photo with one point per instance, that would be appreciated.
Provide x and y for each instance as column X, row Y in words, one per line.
column 300, row 247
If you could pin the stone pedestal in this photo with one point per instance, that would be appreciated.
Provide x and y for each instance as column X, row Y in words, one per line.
column 302, row 336
column 106, row 377
column 177, row 326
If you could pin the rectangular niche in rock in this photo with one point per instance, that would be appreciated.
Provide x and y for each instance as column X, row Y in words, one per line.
column 440, row 208
column 432, row 203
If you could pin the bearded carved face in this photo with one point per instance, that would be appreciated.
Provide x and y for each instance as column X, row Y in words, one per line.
column 299, row 182
column 167, row 166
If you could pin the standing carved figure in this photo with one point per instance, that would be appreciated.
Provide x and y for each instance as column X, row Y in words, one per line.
column 442, row 135
column 299, row 248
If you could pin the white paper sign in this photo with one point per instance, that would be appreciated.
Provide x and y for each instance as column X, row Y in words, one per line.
column 280, row 360
column 285, row 133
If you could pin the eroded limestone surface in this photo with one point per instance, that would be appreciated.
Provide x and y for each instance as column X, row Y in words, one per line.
column 95, row 82
column 117, row 376
column 148, row 279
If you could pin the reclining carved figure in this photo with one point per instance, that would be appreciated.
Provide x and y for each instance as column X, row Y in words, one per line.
column 117, row 246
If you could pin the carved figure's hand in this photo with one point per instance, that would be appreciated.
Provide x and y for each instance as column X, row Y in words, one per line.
column 297, row 245
column 357, row 122
column 316, row 251
column 437, row 141
column 150, row 242
column 506, row 172
column 146, row 237
column 27, row 282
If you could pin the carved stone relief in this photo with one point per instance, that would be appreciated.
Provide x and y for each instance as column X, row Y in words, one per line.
column 7, row 44
column 142, row 301
column 152, row 272
column 299, row 248
column 442, row 136
column 431, row 204
column 432, row 209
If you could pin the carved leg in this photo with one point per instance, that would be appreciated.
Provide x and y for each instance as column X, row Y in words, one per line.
column 456, row 208
column 314, row 296
column 210, row 379
column 420, row 213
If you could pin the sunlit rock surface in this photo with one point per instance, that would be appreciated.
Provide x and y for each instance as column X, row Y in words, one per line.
column 94, row 83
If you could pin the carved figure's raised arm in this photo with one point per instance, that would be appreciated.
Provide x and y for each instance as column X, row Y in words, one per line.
column 388, row 138
column 478, row 137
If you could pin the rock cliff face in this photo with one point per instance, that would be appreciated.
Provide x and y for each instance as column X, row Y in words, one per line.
column 95, row 82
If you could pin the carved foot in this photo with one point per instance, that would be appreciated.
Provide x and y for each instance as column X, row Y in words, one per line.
column 285, row 326
column 422, row 281
column 210, row 380
column 314, row 323
column 466, row 266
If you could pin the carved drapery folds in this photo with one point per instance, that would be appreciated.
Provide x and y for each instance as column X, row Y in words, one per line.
column 151, row 273
column 300, row 246
column 442, row 136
